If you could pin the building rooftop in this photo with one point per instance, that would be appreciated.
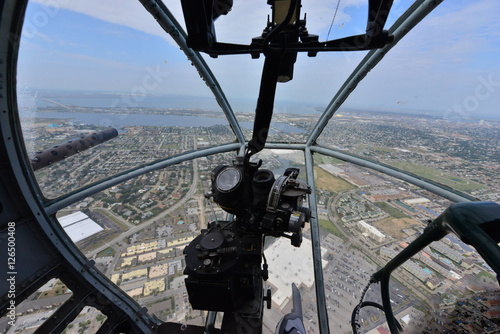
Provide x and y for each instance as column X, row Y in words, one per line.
column 287, row 265
column 79, row 226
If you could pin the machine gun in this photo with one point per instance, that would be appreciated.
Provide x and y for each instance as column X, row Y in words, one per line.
column 224, row 263
column 71, row 147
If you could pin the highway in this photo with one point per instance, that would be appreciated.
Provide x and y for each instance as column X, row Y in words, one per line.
column 54, row 102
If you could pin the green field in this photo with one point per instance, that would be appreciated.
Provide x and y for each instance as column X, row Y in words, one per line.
column 485, row 274
column 327, row 181
column 382, row 149
column 97, row 243
column 330, row 227
column 110, row 251
column 202, row 138
column 438, row 176
column 391, row 210
column 323, row 159
column 115, row 220
column 166, row 145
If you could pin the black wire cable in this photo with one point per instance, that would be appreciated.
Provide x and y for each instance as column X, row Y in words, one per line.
column 355, row 312
column 265, row 271
column 263, row 244
column 334, row 15
column 355, row 326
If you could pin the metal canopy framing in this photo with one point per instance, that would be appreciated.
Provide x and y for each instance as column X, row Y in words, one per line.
column 438, row 189
column 78, row 195
column 43, row 250
column 168, row 22
column 160, row 12
column 417, row 11
column 403, row 25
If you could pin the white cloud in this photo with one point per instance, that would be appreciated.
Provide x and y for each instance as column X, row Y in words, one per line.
column 455, row 44
column 439, row 62
column 248, row 18
column 245, row 21
column 129, row 13
column 454, row 33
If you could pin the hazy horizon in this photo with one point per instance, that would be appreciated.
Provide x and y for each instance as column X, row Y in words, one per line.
column 239, row 105
column 446, row 64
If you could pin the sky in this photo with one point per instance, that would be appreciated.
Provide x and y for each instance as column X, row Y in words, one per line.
column 448, row 65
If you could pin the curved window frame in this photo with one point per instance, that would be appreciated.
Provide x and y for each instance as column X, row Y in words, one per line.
column 43, row 210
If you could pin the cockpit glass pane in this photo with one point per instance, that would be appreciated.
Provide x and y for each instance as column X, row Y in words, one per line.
column 433, row 116
column 136, row 233
column 366, row 218
column 87, row 68
column 429, row 108
column 315, row 79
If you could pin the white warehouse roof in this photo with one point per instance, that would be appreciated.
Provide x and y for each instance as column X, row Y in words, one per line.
column 79, row 226
column 289, row 264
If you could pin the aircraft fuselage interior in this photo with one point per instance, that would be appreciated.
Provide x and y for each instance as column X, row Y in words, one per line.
column 220, row 166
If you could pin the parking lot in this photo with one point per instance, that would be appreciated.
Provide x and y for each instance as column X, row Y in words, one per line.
column 346, row 275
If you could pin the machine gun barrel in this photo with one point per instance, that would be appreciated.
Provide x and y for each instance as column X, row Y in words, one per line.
column 71, row 147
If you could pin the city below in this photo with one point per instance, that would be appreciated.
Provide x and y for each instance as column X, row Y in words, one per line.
column 365, row 217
